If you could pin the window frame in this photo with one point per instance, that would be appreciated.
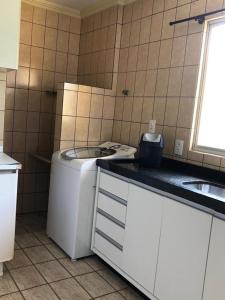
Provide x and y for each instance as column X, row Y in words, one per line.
column 200, row 92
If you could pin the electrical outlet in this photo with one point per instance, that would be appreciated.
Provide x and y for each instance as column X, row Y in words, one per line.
column 151, row 126
column 179, row 146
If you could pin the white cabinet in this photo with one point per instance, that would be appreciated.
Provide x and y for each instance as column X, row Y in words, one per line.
column 142, row 235
column 8, row 188
column 215, row 273
column 183, row 252
column 9, row 33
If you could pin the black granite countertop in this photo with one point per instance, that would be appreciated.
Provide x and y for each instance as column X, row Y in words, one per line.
column 170, row 178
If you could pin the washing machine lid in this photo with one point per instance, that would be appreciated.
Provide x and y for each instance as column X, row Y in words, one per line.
column 87, row 152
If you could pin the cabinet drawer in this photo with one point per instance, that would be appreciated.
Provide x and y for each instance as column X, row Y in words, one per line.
column 107, row 249
column 110, row 228
column 114, row 185
column 112, row 206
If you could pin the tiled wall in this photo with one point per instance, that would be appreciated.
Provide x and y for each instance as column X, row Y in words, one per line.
column 49, row 46
column 2, row 103
column 159, row 66
column 84, row 116
column 99, row 48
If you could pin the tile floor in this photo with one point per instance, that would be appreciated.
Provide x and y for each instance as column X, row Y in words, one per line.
column 40, row 270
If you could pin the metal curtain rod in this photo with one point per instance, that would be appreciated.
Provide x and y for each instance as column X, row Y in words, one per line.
column 200, row 18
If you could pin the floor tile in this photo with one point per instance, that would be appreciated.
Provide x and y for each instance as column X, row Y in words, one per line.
column 94, row 284
column 114, row 296
column 38, row 254
column 69, row 289
column 41, row 292
column 113, row 279
column 27, row 277
column 95, row 262
column 55, row 250
column 7, row 285
column 42, row 237
column 16, row 246
column 131, row 294
column 19, row 260
column 27, row 240
column 52, row 271
column 14, row 296
column 75, row 268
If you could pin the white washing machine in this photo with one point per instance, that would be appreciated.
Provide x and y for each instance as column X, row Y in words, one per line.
column 71, row 195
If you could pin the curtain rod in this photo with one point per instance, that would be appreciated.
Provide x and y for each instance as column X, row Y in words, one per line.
column 200, row 18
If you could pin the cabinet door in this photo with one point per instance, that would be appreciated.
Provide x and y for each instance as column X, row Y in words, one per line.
column 183, row 252
column 142, row 234
column 215, row 274
column 9, row 33
column 8, row 188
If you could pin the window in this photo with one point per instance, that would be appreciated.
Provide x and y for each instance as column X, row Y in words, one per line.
column 209, row 126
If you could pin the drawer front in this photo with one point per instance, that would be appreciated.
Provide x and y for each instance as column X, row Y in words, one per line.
column 113, row 207
column 111, row 229
column 113, row 185
column 107, row 249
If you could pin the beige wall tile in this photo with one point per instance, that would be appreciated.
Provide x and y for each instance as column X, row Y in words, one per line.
column 169, row 136
column 24, row 57
column 39, row 16
column 68, row 128
column 153, row 55
column 69, row 103
column 178, row 52
column 52, row 19
column 145, row 30
column 167, row 30
column 162, row 82
column 189, row 82
column 142, row 57
column 109, row 107
column 137, row 109
column 165, row 53
column 26, row 12
column 82, row 125
column 147, row 7
column 171, row 113
column 83, row 104
column 159, row 110
column 37, row 57
column 38, row 35
column 94, row 130
column 156, row 27
column 107, row 128
column 175, row 80
column 193, row 49
column 147, row 111
column 186, row 112
column 97, row 102
column 50, row 38
column 25, row 32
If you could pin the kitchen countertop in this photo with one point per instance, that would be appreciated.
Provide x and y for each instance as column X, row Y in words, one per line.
column 169, row 178
column 8, row 163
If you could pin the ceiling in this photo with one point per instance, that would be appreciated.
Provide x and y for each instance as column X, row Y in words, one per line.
column 75, row 4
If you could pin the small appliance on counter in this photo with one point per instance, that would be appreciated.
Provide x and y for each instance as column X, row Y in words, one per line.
column 150, row 150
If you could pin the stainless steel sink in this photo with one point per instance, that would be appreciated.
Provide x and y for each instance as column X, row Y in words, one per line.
column 207, row 188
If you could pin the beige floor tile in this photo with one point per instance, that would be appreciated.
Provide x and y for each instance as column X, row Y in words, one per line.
column 19, row 260
column 52, row 271
column 7, row 285
column 131, row 294
column 27, row 277
column 69, row 289
column 55, row 250
column 94, row 284
column 76, row 267
column 42, row 237
column 95, row 263
column 114, row 296
column 41, row 292
column 113, row 279
column 27, row 240
column 38, row 254
column 14, row 296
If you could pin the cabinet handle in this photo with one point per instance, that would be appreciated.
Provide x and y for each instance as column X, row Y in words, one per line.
column 111, row 218
column 113, row 197
column 109, row 239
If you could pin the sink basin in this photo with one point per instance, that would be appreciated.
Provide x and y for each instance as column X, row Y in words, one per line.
column 207, row 188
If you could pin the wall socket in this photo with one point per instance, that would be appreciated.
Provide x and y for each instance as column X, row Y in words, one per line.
column 179, row 146
column 151, row 126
